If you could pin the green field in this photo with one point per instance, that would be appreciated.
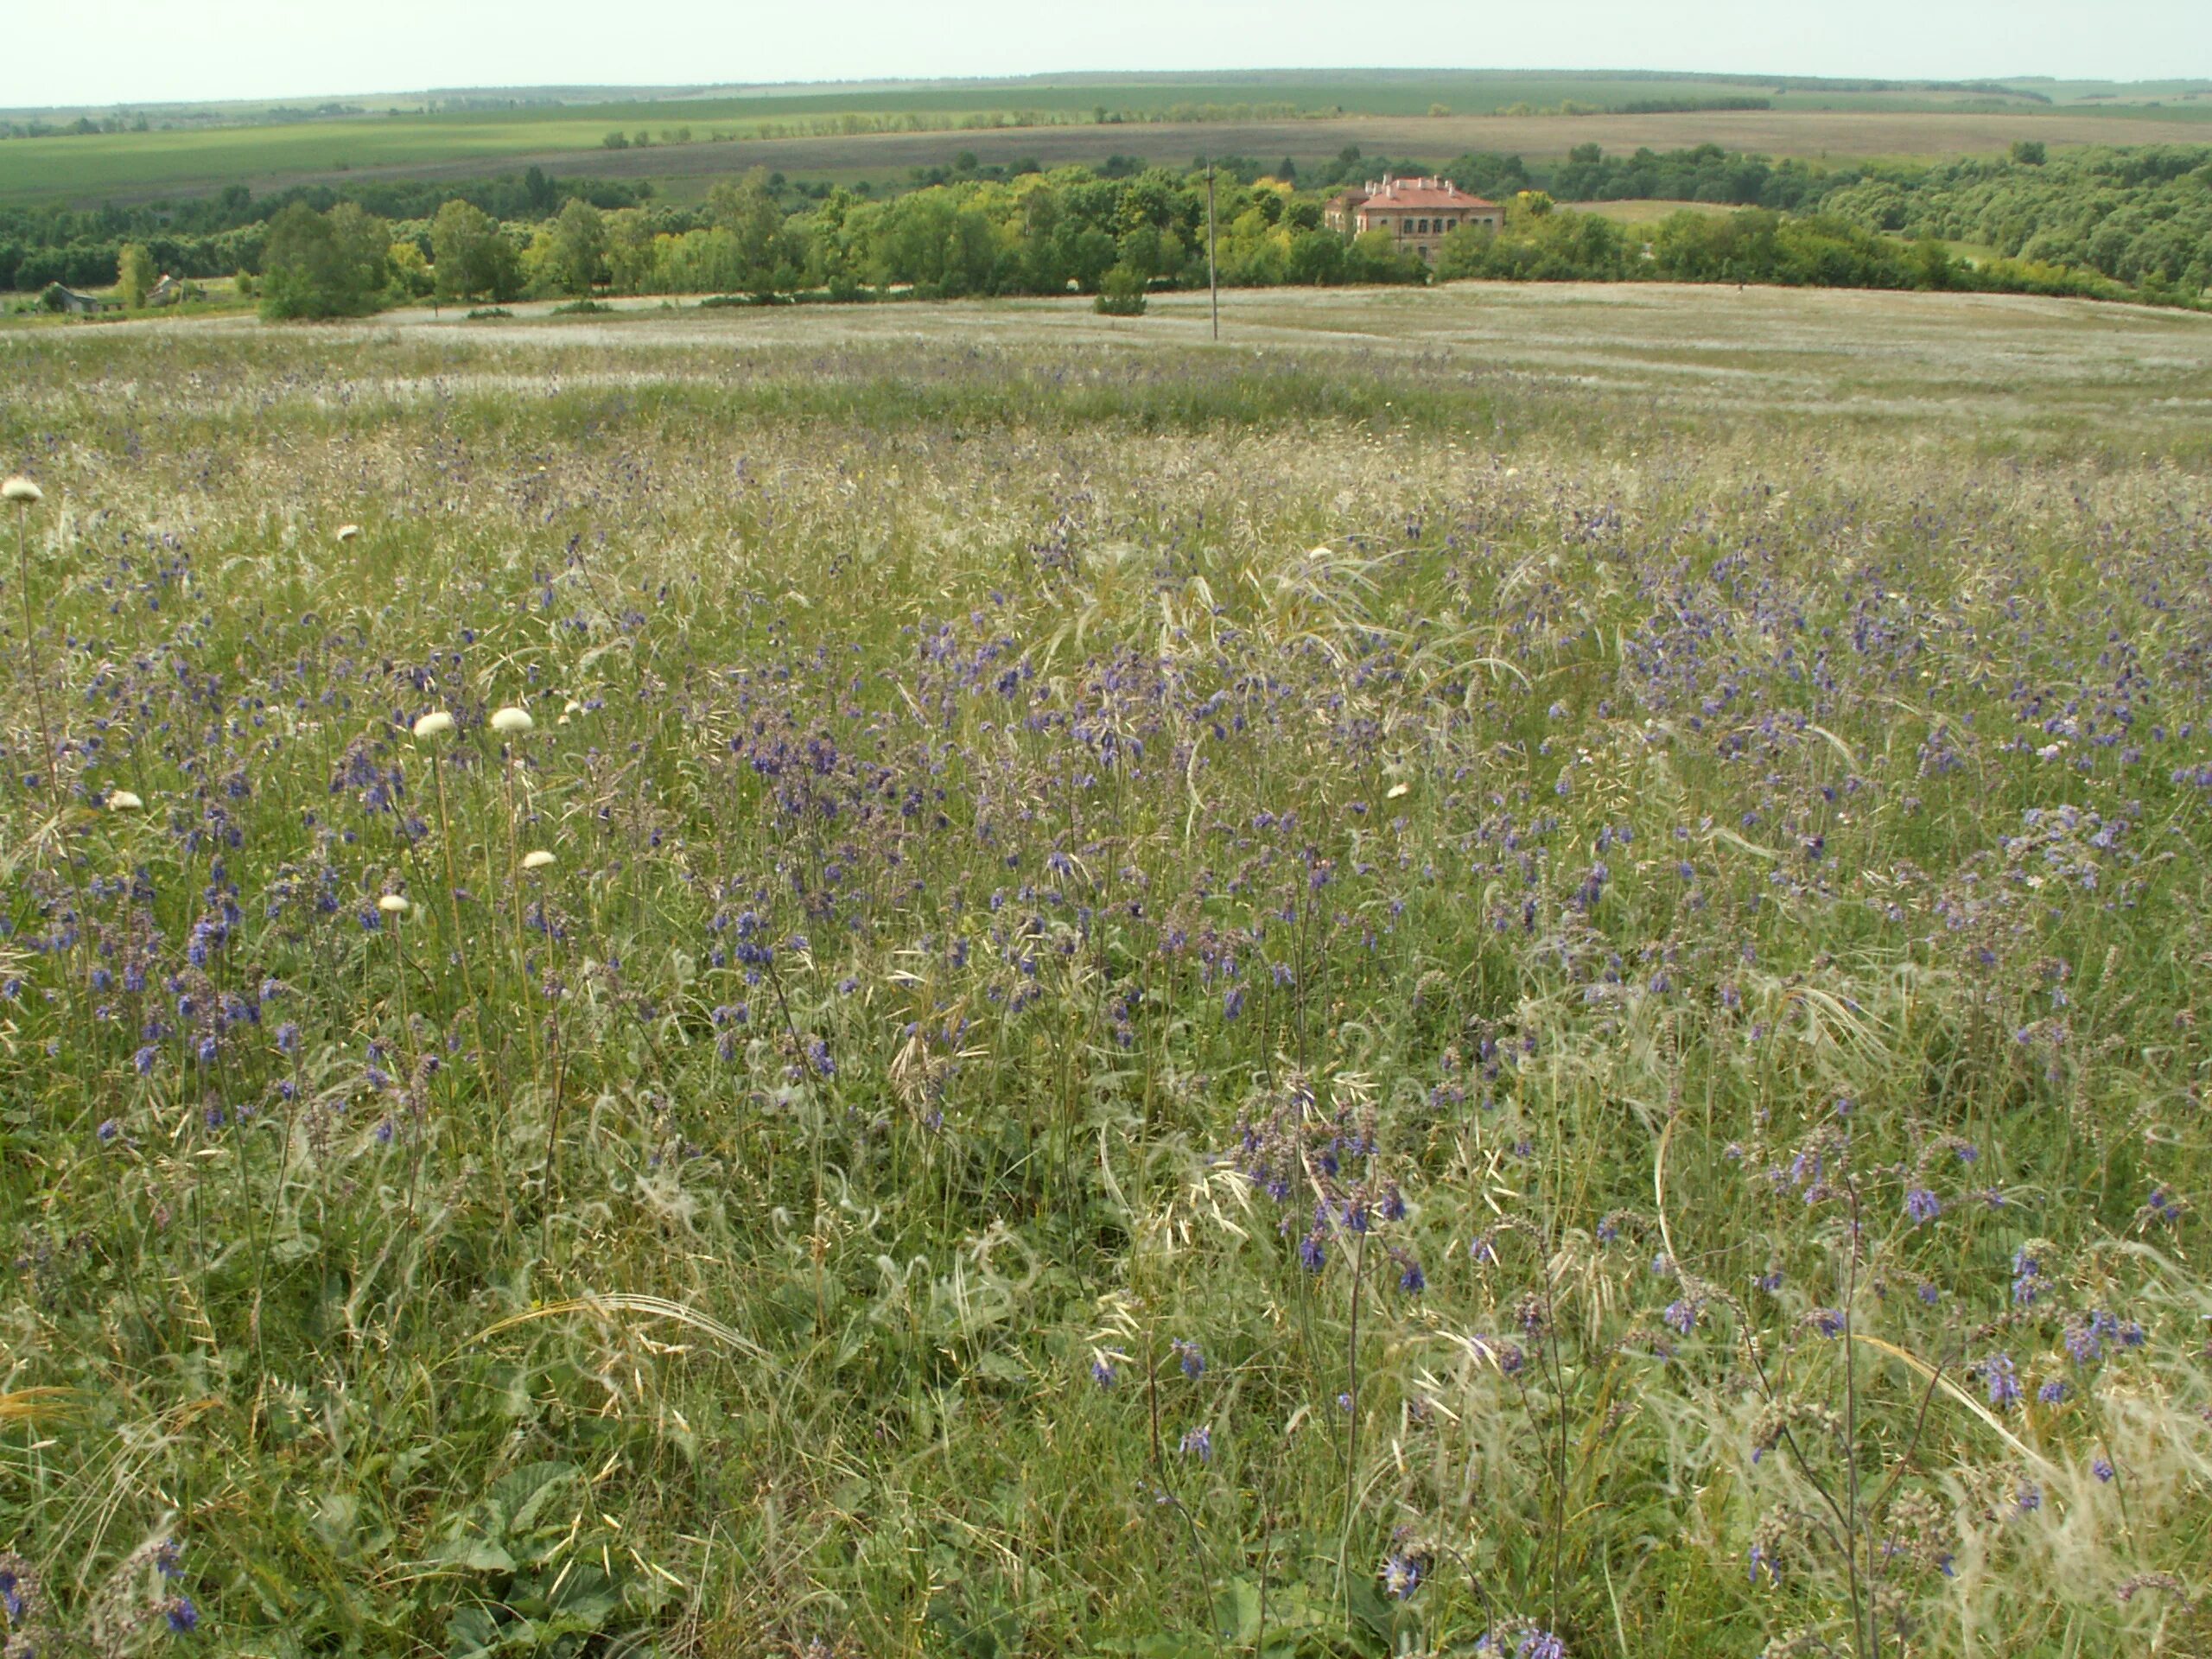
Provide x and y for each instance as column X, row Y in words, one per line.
column 855, row 132
column 1489, row 970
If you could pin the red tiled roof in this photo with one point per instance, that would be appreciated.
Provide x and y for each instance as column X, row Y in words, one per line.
column 1423, row 195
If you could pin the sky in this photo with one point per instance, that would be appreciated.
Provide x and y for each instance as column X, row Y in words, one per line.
column 107, row 52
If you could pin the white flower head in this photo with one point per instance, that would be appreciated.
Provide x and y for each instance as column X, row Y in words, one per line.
column 437, row 723
column 511, row 722
column 392, row 904
column 347, row 532
column 537, row 860
column 22, row 492
column 123, row 800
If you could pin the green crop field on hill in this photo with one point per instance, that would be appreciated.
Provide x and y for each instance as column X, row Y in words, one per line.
column 1490, row 970
column 855, row 132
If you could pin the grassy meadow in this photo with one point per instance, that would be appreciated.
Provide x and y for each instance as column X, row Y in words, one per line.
column 1490, row 970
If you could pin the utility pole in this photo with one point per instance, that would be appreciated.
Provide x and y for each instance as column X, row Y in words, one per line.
column 1213, row 274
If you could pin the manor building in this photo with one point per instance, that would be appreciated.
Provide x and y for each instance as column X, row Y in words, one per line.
column 1417, row 211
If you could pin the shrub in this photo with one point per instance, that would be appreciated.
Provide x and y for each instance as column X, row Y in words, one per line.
column 1121, row 294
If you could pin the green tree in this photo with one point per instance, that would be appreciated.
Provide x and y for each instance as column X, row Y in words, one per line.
column 1317, row 258
column 578, row 248
column 629, row 249
column 134, row 273
column 1375, row 257
column 364, row 244
column 323, row 264
column 471, row 257
column 410, row 267
column 749, row 210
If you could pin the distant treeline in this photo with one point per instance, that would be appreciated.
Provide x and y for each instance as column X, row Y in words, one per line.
column 216, row 235
column 1688, row 105
column 1985, row 88
column 2104, row 222
column 1542, row 243
column 2139, row 216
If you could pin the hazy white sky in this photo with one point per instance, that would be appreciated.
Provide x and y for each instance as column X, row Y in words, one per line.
column 109, row 51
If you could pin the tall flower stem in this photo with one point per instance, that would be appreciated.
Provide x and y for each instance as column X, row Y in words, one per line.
column 486, row 1063
column 453, row 895
column 46, row 762
column 407, row 1031
column 1351, row 1416
column 515, row 874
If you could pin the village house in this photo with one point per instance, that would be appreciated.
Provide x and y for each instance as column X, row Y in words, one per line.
column 1418, row 213
column 57, row 297
column 172, row 290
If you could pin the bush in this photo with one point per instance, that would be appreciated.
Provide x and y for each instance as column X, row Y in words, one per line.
column 1121, row 294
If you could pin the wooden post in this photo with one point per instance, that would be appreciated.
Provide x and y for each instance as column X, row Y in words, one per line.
column 1213, row 274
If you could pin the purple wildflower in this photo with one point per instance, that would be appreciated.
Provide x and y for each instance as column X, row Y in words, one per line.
column 2002, row 1381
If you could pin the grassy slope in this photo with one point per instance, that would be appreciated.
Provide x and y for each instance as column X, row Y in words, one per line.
column 1728, row 571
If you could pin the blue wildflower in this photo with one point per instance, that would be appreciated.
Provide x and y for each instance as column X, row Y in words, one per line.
column 1402, row 1574
column 2002, row 1381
